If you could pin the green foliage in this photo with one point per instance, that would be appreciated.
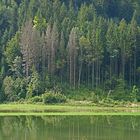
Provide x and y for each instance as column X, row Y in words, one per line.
column 16, row 67
column 134, row 93
column 120, row 92
column 20, row 85
column 51, row 97
column 82, row 93
column 9, row 89
column 12, row 50
column 36, row 99
column 1, row 80
column 94, row 98
column 8, row 86
column 14, row 89
column 34, row 86
column 1, row 92
column 39, row 23
column 70, row 43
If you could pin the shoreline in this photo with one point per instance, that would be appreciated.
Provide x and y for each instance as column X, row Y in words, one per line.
column 64, row 109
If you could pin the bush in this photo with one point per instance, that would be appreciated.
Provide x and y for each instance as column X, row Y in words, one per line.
column 21, row 101
column 79, row 94
column 94, row 98
column 36, row 99
column 50, row 97
column 13, row 98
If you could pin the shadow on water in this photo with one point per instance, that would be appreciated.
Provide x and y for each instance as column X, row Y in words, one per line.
column 70, row 128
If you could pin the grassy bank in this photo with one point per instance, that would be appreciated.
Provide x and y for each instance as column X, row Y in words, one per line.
column 65, row 109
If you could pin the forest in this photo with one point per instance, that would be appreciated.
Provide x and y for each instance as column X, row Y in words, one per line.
column 77, row 49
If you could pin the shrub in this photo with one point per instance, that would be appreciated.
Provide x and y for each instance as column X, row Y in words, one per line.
column 36, row 99
column 93, row 97
column 13, row 98
column 50, row 97
column 21, row 101
column 134, row 93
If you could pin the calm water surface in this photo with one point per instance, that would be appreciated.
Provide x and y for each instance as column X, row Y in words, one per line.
column 70, row 128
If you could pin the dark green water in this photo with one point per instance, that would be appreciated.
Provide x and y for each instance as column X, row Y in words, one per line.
column 70, row 128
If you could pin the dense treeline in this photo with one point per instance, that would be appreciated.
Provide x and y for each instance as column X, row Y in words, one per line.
column 53, row 44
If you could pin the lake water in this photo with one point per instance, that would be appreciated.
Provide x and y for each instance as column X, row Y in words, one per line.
column 70, row 128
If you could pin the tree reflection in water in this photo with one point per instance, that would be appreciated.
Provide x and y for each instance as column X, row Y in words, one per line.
column 70, row 128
